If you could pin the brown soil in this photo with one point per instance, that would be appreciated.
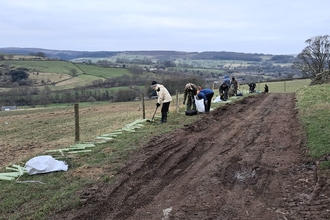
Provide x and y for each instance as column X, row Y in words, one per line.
column 245, row 160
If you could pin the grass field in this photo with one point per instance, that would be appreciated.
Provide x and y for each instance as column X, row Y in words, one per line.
column 103, row 72
column 35, row 130
column 281, row 87
column 46, row 66
column 61, row 73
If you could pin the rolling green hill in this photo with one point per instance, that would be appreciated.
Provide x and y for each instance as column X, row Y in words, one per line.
column 62, row 74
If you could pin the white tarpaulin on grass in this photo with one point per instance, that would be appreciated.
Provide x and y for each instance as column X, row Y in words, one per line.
column 44, row 164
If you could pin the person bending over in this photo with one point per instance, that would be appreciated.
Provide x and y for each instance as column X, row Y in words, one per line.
column 207, row 95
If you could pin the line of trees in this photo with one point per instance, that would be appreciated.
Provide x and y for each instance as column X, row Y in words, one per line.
column 97, row 91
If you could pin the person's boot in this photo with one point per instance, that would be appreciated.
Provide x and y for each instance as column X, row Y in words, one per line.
column 162, row 120
column 165, row 118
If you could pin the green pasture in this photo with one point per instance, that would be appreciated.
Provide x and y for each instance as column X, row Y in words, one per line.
column 280, row 87
column 60, row 73
column 103, row 72
column 65, row 67
column 46, row 66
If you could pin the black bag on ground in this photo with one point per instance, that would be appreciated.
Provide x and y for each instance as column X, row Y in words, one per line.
column 191, row 112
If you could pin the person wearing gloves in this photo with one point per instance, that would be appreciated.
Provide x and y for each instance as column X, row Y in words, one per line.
column 190, row 90
column 164, row 97
column 207, row 95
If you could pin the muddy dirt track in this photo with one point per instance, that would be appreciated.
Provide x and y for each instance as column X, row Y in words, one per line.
column 245, row 160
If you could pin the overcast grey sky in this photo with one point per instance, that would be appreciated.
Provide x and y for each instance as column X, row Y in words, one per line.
column 249, row 26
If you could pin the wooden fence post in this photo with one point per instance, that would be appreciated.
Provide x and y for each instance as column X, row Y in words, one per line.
column 177, row 100
column 76, row 116
column 143, row 107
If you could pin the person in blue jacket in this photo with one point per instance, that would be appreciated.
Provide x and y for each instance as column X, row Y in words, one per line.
column 207, row 95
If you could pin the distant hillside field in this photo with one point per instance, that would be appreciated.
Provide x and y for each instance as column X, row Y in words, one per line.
column 63, row 74
column 64, row 67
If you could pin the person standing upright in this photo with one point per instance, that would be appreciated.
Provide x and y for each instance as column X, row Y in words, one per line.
column 164, row 98
column 235, row 84
column 207, row 95
column 190, row 90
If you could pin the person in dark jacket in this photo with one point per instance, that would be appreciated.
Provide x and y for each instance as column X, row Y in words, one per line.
column 234, row 83
column 207, row 95
column 252, row 87
column 223, row 91
column 266, row 89
column 190, row 90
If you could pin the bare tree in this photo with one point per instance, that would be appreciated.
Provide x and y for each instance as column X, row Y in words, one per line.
column 315, row 57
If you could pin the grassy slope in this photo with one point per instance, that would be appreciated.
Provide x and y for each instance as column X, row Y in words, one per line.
column 84, row 169
column 314, row 107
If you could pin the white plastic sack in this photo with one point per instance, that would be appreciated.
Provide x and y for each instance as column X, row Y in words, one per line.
column 44, row 164
column 217, row 99
column 200, row 105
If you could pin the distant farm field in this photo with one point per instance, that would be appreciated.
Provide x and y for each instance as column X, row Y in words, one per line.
column 46, row 66
column 103, row 72
column 62, row 74
column 38, row 78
